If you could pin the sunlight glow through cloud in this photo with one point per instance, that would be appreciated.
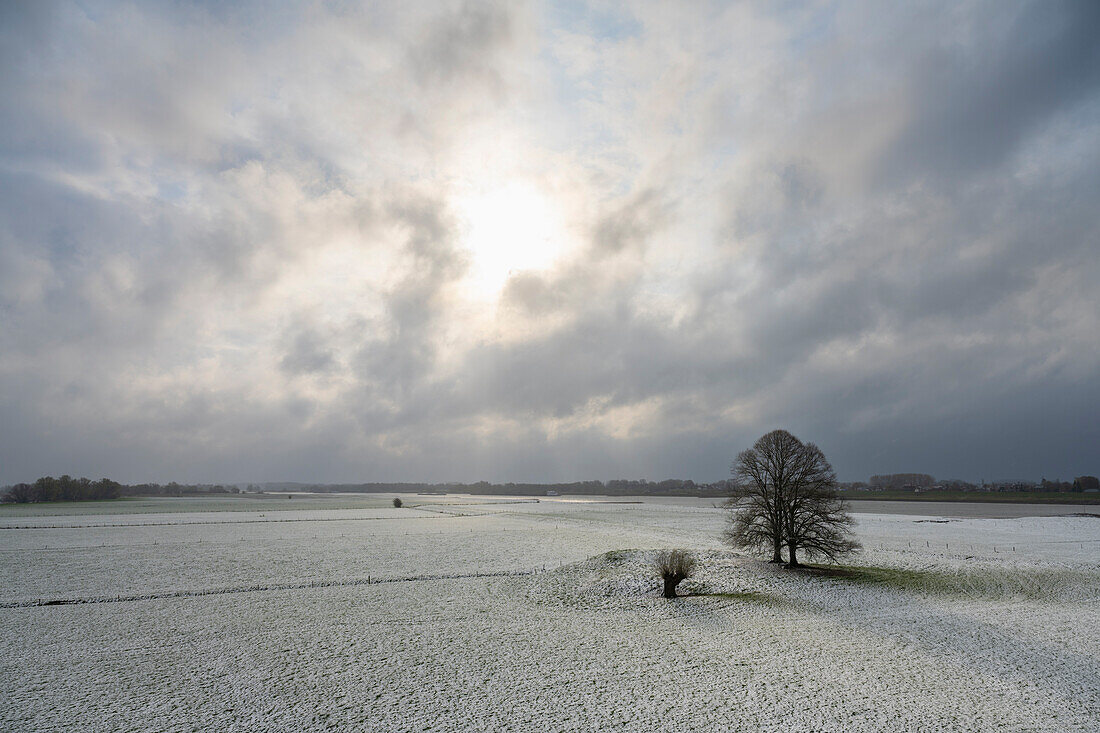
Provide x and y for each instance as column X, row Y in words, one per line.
column 534, row 241
column 509, row 227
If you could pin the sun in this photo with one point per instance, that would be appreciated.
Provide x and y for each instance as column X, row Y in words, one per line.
column 507, row 229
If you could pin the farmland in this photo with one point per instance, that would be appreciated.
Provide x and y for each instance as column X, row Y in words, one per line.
column 468, row 613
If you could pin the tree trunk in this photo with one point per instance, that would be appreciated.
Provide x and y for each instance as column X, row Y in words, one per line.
column 777, row 551
column 670, row 587
column 792, row 550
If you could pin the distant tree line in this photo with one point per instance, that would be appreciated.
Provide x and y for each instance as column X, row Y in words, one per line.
column 1086, row 483
column 65, row 488
column 616, row 487
column 918, row 482
column 900, row 480
column 49, row 489
column 175, row 489
column 68, row 488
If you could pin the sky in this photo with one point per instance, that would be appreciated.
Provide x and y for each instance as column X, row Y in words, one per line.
column 462, row 241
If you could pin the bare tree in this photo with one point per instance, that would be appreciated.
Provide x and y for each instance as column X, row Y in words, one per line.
column 785, row 495
column 673, row 566
column 763, row 477
column 816, row 520
column 397, row 502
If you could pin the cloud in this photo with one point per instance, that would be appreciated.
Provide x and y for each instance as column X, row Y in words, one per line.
column 464, row 43
column 976, row 100
column 233, row 243
column 629, row 224
column 307, row 353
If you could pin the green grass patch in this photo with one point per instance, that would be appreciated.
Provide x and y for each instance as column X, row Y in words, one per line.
column 745, row 596
column 929, row 581
column 969, row 582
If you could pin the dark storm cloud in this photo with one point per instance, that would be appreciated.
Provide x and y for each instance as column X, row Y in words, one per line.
column 975, row 103
column 236, row 250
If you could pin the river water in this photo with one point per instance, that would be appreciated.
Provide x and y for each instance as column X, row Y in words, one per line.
column 979, row 510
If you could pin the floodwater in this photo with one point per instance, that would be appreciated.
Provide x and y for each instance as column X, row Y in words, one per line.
column 971, row 509
column 976, row 510
column 979, row 510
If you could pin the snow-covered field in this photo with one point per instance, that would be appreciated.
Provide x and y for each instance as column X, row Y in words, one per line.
column 478, row 613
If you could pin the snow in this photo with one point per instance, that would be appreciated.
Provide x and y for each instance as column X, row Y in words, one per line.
column 269, row 625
